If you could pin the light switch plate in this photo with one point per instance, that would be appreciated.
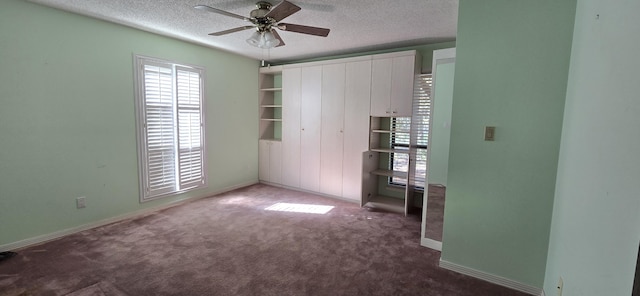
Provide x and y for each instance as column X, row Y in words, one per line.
column 80, row 202
column 489, row 133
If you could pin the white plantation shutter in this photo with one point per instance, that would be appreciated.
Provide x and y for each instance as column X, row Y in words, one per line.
column 159, row 130
column 190, row 137
column 418, row 123
column 420, row 127
column 171, row 138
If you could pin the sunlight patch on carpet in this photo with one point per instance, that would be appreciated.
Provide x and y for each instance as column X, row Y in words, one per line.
column 299, row 208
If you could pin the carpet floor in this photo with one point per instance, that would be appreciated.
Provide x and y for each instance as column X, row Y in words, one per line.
column 230, row 244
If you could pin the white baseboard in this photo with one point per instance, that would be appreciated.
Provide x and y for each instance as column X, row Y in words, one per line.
column 58, row 234
column 498, row 280
column 312, row 192
column 430, row 243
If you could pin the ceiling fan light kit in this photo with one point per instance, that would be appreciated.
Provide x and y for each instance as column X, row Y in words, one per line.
column 264, row 40
column 265, row 20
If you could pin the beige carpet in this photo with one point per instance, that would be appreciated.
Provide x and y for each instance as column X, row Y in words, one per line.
column 231, row 245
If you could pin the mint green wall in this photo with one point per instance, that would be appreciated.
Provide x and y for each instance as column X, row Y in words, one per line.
column 512, row 60
column 596, row 215
column 67, row 118
column 441, row 125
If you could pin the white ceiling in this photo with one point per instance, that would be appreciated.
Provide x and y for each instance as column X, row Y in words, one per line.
column 356, row 26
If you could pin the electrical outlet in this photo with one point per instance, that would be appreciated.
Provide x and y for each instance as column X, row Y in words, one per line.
column 80, row 202
column 560, row 286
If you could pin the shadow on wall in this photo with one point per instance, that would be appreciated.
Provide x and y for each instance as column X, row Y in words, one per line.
column 636, row 281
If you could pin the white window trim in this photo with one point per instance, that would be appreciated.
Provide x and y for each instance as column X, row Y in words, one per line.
column 139, row 97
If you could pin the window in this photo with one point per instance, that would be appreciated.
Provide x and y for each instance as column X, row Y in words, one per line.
column 400, row 141
column 419, row 134
column 169, row 105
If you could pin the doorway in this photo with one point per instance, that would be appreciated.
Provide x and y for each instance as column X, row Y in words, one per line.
column 433, row 208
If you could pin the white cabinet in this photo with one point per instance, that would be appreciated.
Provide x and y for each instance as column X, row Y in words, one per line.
column 377, row 171
column 291, row 127
column 332, row 129
column 326, row 128
column 270, row 161
column 310, row 118
column 392, row 79
column 356, row 126
column 315, row 119
column 381, row 87
column 403, row 76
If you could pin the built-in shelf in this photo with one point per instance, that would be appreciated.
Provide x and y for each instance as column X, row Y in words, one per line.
column 389, row 173
column 389, row 150
column 390, row 131
column 377, row 170
column 272, row 139
column 271, row 89
column 387, row 203
column 270, row 95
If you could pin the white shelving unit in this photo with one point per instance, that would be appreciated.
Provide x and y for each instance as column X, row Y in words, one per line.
column 377, row 169
column 270, row 109
column 271, row 103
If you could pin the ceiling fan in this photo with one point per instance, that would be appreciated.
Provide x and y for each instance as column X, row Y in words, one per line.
column 265, row 19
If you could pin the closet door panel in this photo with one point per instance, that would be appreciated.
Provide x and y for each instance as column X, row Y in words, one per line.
column 381, row 87
column 291, row 127
column 310, row 106
column 331, row 148
column 402, row 79
column 356, row 126
column 275, row 162
column 263, row 160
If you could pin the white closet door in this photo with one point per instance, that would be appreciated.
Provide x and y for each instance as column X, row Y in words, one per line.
column 402, row 79
column 381, row 87
column 356, row 126
column 275, row 162
column 291, row 127
column 310, row 106
column 331, row 149
column 263, row 160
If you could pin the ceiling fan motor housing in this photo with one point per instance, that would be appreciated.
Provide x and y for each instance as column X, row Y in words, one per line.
column 263, row 23
column 263, row 8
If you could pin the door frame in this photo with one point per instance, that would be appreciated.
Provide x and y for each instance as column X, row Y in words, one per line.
column 441, row 56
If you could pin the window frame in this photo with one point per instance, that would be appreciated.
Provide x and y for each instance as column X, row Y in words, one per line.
column 139, row 62
column 422, row 108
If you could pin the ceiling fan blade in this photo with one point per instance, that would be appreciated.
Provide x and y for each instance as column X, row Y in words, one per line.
column 278, row 37
column 304, row 29
column 215, row 10
column 238, row 29
column 282, row 10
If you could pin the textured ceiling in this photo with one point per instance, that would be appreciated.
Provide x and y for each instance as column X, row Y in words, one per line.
column 356, row 26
